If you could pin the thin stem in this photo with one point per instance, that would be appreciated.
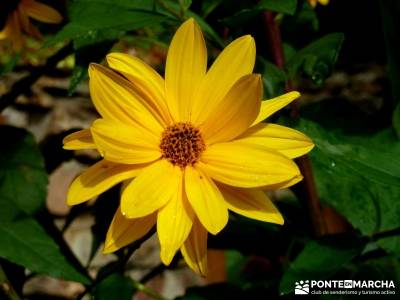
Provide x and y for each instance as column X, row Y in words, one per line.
column 273, row 36
column 6, row 287
column 24, row 84
column 148, row 291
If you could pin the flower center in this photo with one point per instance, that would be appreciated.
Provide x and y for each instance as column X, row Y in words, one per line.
column 182, row 144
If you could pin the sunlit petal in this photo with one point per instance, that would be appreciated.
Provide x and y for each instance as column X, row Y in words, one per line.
column 79, row 140
column 269, row 107
column 251, row 203
column 145, row 81
column 124, row 144
column 247, row 167
column 235, row 113
column 287, row 141
column 99, row 178
column 174, row 223
column 123, row 231
column 206, row 200
column 194, row 250
column 152, row 189
column 116, row 100
column 185, row 69
column 235, row 61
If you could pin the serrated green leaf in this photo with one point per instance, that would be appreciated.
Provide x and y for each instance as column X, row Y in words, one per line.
column 320, row 259
column 359, row 176
column 318, row 59
column 24, row 242
column 23, row 178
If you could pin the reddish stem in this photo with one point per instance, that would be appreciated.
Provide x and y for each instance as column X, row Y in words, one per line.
column 324, row 221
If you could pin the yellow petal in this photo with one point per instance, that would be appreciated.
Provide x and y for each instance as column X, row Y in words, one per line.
column 251, row 203
column 194, row 250
column 185, row 69
column 151, row 190
column 125, row 144
column 285, row 184
column 323, row 2
column 99, row 178
column 235, row 113
column 116, row 100
column 245, row 166
column 206, row 200
column 174, row 222
column 287, row 141
column 79, row 140
column 145, row 80
column 235, row 61
column 269, row 107
column 123, row 231
column 41, row 12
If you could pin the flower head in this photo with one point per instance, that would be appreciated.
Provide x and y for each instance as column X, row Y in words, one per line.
column 188, row 148
column 16, row 14
column 314, row 3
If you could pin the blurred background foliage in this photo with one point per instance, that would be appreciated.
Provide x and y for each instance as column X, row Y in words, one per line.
column 341, row 222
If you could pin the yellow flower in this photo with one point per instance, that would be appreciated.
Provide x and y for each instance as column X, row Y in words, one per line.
column 194, row 143
column 18, row 12
column 313, row 3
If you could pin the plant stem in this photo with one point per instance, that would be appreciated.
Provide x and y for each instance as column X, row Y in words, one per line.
column 24, row 84
column 6, row 287
column 273, row 35
column 149, row 292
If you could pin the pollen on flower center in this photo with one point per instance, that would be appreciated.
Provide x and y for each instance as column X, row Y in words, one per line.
column 182, row 144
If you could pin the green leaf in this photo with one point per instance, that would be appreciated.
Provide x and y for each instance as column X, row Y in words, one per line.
column 208, row 6
column 281, row 6
column 246, row 14
column 274, row 78
column 318, row 59
column 116, row 286
column 207, row 29
column 359, row 176
column 86, row 52
column 320, row 259
column 99, row 20
column 24, row 242
column 23, row 178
